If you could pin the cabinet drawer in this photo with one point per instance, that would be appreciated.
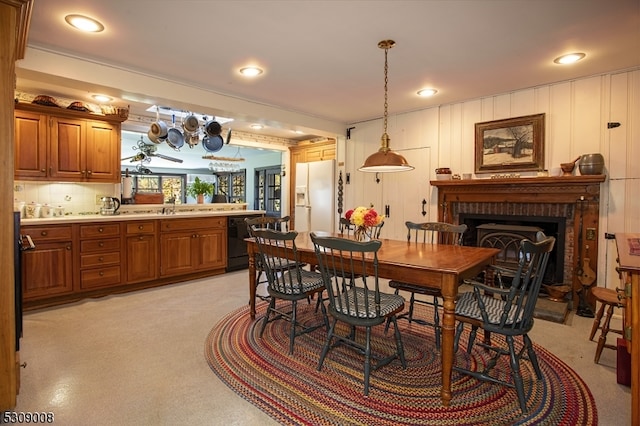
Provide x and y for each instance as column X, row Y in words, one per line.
column 100, row 277
column 191, row 224
column 91, row 260
column 100, row 245
column 48, row 233
column 100, row 230
column 134, row 228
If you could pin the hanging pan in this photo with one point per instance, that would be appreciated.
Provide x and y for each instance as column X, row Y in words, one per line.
column 158, row 131
column 175, row 139
column 212, row 143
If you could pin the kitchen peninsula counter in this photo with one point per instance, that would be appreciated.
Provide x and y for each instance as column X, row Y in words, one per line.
column 147, row 212
column 90, row 255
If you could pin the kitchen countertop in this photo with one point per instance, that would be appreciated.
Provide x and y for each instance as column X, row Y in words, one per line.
column 142, row 213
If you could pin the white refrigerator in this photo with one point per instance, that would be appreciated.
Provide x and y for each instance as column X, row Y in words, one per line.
column 315, row 196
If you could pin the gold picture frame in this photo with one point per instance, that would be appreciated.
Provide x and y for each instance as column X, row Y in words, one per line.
column 510, row 145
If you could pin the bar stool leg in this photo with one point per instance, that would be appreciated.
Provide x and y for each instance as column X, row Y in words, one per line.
column 603, row 336
column 596, row 321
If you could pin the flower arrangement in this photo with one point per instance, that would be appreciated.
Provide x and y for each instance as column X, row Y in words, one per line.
column 363, row 219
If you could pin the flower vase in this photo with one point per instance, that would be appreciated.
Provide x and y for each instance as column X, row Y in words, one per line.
column 200, row 199
column 362, row 234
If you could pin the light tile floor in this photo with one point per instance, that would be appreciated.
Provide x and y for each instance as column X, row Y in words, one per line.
column 138, row 359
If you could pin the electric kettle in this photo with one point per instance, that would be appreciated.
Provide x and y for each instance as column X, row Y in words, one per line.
column 110, row 206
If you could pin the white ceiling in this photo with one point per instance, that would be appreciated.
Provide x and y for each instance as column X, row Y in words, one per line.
column 321, row 58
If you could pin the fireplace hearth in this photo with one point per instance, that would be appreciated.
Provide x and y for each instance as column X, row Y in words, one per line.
column 561, row 206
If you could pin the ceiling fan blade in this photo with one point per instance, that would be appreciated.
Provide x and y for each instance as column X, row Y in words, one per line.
column 164, row 157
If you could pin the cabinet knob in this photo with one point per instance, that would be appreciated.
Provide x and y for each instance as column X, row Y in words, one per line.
column 43, row 170
column 100, row 230
column 69, row 247
column 140, row 227
column 101, row 273
column 44, row 233
column 89, row 172
column 194, row 236
column 140, row 238
column 100, row 244
column 101, row 259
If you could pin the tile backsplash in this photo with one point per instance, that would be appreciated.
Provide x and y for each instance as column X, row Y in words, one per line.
column 74, row 197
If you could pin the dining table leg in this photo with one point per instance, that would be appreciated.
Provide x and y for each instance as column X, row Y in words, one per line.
column 449, row 294
column 252, row 280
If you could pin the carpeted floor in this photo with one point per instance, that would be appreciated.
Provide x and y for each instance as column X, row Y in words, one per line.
column 292, row 391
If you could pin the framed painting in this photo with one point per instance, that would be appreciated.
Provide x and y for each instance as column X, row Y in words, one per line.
column 510, row 145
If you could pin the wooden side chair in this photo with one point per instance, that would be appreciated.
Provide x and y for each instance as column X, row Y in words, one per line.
column 429, row 232
column 265, row 222
column 609, row 300
column 287, row 281
column 510, row 314
column 355, row 299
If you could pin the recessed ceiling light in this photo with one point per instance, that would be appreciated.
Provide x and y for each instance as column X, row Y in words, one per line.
column 102, row 98
column 427, row 92
column 256, row 126
column 84, row 23
column 251, row 71
column 569, row 58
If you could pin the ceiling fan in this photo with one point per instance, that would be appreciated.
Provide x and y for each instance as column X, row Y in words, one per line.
column 146, row 152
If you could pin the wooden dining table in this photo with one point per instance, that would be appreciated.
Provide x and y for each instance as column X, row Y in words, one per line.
column 431, row 265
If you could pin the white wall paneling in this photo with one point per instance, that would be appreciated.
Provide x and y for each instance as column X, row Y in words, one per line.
column 577, row 113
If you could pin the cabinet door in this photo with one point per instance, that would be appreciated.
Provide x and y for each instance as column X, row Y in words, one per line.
column 102, row 152
column 47, row 270
column 142, row 257
column 212, row 245
column 178, row 251
column 66, row 157
column 30, row 156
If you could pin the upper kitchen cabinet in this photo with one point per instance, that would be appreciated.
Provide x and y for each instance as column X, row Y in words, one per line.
column 63, row 145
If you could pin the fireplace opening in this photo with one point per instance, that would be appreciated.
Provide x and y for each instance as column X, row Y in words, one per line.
column 521, row 225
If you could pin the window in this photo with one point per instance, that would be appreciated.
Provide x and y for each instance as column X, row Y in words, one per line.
column 268, row 190
column 171, row 186
column 233, row 185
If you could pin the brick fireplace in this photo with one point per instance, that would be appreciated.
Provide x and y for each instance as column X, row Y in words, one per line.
column 560, row 205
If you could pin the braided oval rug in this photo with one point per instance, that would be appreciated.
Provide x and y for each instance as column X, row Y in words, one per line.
column 291, row 390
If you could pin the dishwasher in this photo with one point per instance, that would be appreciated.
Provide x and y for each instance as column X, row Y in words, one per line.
column 237, row 256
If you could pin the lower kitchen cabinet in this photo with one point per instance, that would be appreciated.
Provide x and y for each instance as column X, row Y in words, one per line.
column 47, row 271
column 77, row 260
column 141, row 248
column 100, row 255
column 192, row 245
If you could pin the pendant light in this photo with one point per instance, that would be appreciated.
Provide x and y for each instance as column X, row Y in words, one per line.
column 385, row 160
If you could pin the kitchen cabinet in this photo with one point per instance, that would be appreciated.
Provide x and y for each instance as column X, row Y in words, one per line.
column 99, row 256
column 191, row 245
column 64, row 145
column 48, row 270
column 141, row 251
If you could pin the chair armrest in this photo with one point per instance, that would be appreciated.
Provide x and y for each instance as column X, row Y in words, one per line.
column 481, row 286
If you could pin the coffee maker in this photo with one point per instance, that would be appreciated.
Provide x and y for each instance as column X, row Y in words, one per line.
column 110, row 206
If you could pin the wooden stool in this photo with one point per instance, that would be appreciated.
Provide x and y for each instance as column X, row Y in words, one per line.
column 608, row 299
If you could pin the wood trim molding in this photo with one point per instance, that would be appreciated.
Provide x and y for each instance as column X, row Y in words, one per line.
column 23, row 14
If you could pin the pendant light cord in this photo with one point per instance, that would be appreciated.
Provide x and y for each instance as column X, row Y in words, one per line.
column 386, row 81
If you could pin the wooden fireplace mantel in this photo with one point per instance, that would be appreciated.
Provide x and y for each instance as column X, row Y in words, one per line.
column 562, row 189
column 582, row 193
